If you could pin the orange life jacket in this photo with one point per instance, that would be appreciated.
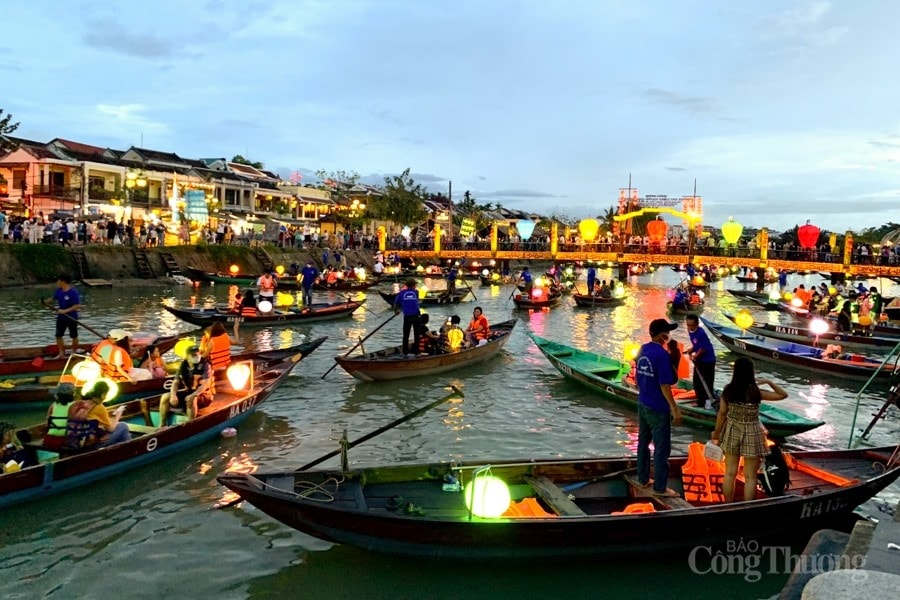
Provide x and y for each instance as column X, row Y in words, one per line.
column 485, row 330
column 219, row 351
column 108, row 355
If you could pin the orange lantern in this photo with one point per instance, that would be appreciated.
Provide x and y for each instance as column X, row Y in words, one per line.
column 656, row 230
column 233, row 269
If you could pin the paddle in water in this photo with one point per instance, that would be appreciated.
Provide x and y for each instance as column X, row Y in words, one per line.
column 359, row 343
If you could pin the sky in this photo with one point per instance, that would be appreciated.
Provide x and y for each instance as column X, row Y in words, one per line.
column 781, row 111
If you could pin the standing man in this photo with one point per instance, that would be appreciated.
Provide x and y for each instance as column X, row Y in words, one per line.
column 408, row 302
column 526, row 280
column 656, row 407
column 704, row 358
column 266, row 285
column 67, row 304
column 591, row 279
column 308, row 276
column 452, row 273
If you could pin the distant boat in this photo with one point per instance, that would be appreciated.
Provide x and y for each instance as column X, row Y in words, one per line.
column 591, row 301
column 318, row 311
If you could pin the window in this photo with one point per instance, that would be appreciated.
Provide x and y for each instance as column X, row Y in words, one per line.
column 18, row 179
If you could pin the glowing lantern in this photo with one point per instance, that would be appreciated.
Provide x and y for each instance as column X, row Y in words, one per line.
column 788, row 296
column 423, row 292
column 701, row 294
column 631, row 351
column 774, row 296
column 619, row 292
column 487, row 497
column 420, row 269
column 589, row 229
column 670, row 295
column 537, row 293
column 525, row 228
column 110, row 394
column 238, row 375
column 264, row 306
column 234, row 269
column 656, row 230
column 731, row 230
column 743, row 319
column 832, row 290
column 495, row 277
column 698, row 280
column 808, row 235
column 182, row 345
column 485, row 272
column 796, row 302
column 865, row 320
column 284, row 299
column 538, row 281
column 818, row 327
column 280, row 270
column 86, row 370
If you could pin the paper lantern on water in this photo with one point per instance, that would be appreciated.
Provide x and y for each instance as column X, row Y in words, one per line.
column 495, row 276
column 86, row 370
column 808, row 235
column 525, row 228
column 743, row 319
column 589, row 229
column 234, row 269
column 182, row 345
column 280, row 270
column 656, row 230
column 238, row 375
column 731, row 230
column 264, row 306
column 487, row 497
column 788, row 296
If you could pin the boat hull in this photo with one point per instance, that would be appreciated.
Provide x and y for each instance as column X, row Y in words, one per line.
column 317, row 312
column 588, row 301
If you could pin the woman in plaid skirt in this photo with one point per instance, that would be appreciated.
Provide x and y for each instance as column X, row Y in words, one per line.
column 738, row 430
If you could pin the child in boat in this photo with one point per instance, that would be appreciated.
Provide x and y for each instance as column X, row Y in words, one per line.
column 153, row 362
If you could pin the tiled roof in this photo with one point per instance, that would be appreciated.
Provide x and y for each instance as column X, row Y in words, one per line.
column 157, row 155
column 84, row 149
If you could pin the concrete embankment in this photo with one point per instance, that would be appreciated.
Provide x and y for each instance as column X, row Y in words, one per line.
column 31, row 264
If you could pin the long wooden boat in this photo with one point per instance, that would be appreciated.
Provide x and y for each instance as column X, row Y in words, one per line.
column 609, row 378
column 559, row 508
column 432, row 297
column 390, row 364
column 317, row 311
column 804, row 335
column 60, row 471
column 800, row 356
column 590, row 301
column 284, row 282
column 499, row 280
column 548, row 300
column 345, row 285
column 880, row 329
column 751, row 279
column 42, row 359
column 35, row 393
column 758, row 298
column 685, row 308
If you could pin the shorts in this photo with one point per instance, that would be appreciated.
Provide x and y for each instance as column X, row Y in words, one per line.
column 64, row 324
column 743, row 435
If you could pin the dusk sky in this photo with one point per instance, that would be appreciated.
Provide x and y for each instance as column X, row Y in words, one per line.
column 782, row 111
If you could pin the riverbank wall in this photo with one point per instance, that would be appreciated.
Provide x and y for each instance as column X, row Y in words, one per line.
column 33, row 264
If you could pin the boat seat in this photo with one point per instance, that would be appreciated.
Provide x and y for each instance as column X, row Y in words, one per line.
column 672, row 503
column 553, row 496
column 606, row 373
column 563, row 354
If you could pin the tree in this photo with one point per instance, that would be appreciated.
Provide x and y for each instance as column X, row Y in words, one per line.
column 243, row 161
column 6, row 127
column 402, row 201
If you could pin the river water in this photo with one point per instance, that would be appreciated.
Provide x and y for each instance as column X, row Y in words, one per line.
column 156, row 532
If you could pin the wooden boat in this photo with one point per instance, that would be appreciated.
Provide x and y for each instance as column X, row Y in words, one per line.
column 345, row 285
column 609, row 378
column 753, row 279
column 432, row 297
column 389, row 364
column 560, row 508
column 800, row 356
column 54, row 472
column 759, row 298
column 548, row 299
column 29, row 361
column 284, row 282
column 34, row 393
column 685, row 308
column 803, row 335
column 491, row 280
column 590, row 301
column 317, row 311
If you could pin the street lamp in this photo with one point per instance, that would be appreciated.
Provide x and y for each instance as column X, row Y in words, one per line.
column 356, row 209
column 133, row 179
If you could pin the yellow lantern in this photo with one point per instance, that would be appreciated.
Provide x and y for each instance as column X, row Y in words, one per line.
column 589, row 229
column 284, row 299
column 182, row 345
column 743, row 319
column 110, row 394
column 487, row 497
column 631, row 351
column 238, row 375
column 86, row 370
column 280, row 270
column 234, row 269
column 423, row 292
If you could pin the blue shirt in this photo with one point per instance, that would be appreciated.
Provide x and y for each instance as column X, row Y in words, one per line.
column 526, row 276
column 653, row 367
column 451, row 274
column 700, row 341
column 67, row 299
column 408, row 301
column 309, row 275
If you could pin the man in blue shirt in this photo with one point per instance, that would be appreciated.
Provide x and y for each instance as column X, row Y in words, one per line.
column 67, row 304
column 656, row 407
column 591, row 279
column 452, row 273
column 704, row 357
column 526, row 280
column 408, row 302
column 308, row 276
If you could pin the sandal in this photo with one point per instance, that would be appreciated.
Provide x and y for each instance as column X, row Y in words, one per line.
column 395, row 502
column 413, row 510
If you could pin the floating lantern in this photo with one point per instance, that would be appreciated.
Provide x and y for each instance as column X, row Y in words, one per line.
column 86, row 370
column 264, row 306
column 182, row 345
column 234, row 269
column 731, row 230
column 589, row 229
column 630, row 351
column 818, row 327
column 420, row 269
column 487, row 496
column 238, row 375
column 538, row 281
column 808, row 235
column 525, row 228
column 495, row 277
column 743, row 319
column 656, row 230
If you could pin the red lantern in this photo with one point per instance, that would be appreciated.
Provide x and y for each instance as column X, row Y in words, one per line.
column 656, row 230
column 808, row 235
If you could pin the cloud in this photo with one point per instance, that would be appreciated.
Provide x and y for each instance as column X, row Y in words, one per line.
column 692, row 104
column 107, row 35
column 803, row 24
column 675, row 169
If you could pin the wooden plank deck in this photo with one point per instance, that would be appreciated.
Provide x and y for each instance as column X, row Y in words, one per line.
column 554, row 497
column 673, row 502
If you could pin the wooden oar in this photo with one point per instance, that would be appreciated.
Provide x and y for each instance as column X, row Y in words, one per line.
column 456, row 392
column 91, row 329
column 358, row 344
column 471, row 291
